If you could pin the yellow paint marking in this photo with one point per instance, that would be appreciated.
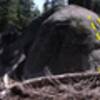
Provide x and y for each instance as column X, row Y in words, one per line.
column 98, row 69
column 98, row 35
column 98, row 20
column 93, row 26
column 89, row 17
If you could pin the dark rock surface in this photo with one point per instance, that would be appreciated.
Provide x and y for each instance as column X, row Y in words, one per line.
column 64, row 43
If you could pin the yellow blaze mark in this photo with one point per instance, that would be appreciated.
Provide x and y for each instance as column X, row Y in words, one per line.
column 89, row 17
column 98, row 20
column 98, row 35
column 93, row 26
column 98, row 69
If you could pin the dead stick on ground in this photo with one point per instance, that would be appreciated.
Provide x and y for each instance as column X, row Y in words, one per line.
column 43, row 81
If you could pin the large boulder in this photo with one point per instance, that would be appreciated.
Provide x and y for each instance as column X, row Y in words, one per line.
column 64, row 43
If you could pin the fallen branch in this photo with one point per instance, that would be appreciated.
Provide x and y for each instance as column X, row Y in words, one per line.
column 64, row 78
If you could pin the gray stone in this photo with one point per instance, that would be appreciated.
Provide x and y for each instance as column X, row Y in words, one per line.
column 64, row 43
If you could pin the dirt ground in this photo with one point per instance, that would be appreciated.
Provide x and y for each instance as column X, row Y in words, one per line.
column 76, row 86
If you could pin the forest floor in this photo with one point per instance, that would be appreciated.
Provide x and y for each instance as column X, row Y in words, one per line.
column 73, row 86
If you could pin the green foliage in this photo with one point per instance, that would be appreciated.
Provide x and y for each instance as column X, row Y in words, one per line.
column 78, row 2
column 96, row 6
column 17, row 12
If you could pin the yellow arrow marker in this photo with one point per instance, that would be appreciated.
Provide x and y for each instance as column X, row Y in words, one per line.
column 93, row 26
column 98, row 20
column 98, row 69
column 89, row 17
column 98, row 35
